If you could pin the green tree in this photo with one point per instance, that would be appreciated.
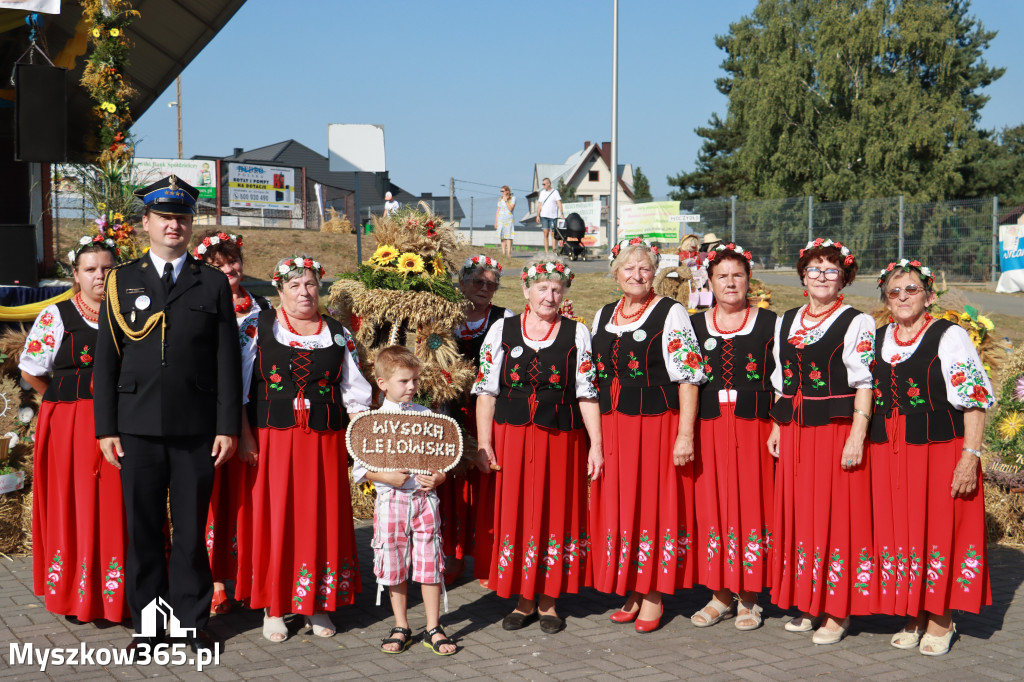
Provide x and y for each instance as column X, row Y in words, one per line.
column 849, row 98
column 641, row 186
column 567, row 192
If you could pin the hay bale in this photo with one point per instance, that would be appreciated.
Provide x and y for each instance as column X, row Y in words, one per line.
column 336, row 223
column 362, row 504
column 1004, row 515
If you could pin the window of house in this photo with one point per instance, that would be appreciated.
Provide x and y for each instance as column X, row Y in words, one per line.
column 594, row 176
column 584, row 197
column 604, row 199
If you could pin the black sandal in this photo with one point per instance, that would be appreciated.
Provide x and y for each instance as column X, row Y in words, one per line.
column 436, row 646
column 517, row 620
column 404, row 643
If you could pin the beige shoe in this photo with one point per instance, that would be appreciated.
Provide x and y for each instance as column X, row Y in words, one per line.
column 825, row 636
column 937, row 645
column 274, row 629
column 906, row 639
column 743, row 620
column 322, row 624
column 724, row 611
column 803, row 623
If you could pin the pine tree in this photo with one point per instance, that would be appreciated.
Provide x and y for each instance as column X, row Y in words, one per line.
column 641, row 186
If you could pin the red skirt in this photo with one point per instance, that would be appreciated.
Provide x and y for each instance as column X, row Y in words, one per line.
column 822, row 523
column 303, row 542
column 78, row 528
column 229, row 518
column 456, row 503
column 540, row 511
column 734, row 488
column 929, row 547
column 641, row 511
column 483, row 486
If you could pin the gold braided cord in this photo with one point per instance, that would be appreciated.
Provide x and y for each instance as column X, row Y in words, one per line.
column 114, row 308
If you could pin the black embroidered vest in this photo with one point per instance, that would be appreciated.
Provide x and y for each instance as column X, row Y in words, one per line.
column 538, row 386
column 72, row 365
column 638, row 362
column 818, row 371
column 917, row 389
column 470, row 348
column 281, row 372
column 742, row 363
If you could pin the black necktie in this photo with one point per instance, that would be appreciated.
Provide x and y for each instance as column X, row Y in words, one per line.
column 168, row 278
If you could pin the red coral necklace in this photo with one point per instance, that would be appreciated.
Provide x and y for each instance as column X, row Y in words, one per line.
column 911, row 342
column 470, row 332
column 319, row 324
column 546, row 336
column 246, row 305
column 824, row 315
column 619, row 315
column 88, row 313
column 724, row 332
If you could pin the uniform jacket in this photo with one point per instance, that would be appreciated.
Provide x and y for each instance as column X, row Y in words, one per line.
column 195, row 388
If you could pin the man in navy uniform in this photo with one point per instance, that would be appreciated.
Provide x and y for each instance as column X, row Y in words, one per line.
column 167, row 396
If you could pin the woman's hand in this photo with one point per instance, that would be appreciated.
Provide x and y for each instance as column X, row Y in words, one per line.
column 965, row 476
column 853, row 452
column 595, row 462
column 682, row 451
column 485, row 459
column 773, row 440
column 248, row 451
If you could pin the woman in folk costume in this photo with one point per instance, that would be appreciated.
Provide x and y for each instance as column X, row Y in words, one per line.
column 931, row 393
column 641, row 511
column 822, row 520
column 536, row 408
column 78, row 527
column 734, row 471
column 306, row 381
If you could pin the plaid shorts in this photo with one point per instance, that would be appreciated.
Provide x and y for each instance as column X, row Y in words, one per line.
column 407, row 531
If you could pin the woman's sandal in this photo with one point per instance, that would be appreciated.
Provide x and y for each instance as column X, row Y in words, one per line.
column 274, row 629
column 906, row 639
column 322, row 624
column 403, row 644
column 220, row 604
column 938, row 644
column 753, row 614
column 436, row 646
column 724, row 611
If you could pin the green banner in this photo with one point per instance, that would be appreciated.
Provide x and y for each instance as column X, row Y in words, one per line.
column 650, row 221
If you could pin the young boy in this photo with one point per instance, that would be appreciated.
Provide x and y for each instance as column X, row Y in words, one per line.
column 406, row 524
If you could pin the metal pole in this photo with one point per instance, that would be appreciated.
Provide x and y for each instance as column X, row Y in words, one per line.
column 471, row 219
column 178, row 107
column 613, row 200
column 995, row 237
column 733, row 201
column 451, row 200
column 901, row 228
column 359, row 225
column 810, row 218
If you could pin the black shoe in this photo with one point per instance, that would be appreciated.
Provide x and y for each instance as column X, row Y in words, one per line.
column 150, row 642
column 201, row 640
column 517, row 620
column 74, row 620
column 551, row 624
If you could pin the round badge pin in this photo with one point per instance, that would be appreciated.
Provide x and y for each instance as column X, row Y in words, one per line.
column 711, row 343
column 516, row 352
column 339, row 339
column 142, row 302
column 639, row 335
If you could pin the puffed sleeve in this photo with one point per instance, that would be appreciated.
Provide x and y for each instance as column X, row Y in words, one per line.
column 859, row 351
column 42, row 343
column 356, row 392
column 967, row 383
column 776, row 376
column 491, row 355
column 249, row 334
column 679, row 345
column 585, row 372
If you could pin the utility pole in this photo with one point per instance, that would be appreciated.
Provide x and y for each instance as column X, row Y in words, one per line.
column 451, row 199
column 178, row 107
column 613, row 200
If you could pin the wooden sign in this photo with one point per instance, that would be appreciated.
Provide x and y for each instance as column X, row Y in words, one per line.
column 417, row 442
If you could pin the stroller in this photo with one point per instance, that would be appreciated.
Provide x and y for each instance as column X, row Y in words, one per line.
column 570, row 236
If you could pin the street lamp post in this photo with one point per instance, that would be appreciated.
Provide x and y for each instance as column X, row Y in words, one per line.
column 176, row 104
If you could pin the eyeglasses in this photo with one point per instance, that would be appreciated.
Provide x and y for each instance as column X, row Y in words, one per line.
column 910, row 290
column 831, row 274
column 483, row 284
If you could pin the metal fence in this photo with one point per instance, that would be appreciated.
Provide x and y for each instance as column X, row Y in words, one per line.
column 955, row 237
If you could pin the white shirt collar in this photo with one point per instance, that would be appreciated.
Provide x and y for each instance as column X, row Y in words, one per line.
column 392, row 405
column 178, row 263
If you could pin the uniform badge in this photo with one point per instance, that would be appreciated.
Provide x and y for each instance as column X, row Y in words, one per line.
column 639, row 335
column 142, row 302
column 516, row 352
column 339, row 339
column 711, row 343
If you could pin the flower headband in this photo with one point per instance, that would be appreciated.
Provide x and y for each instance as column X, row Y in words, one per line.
column 907, row 265
column 207, row 242
column 631, row 241
column 86, row 240
column 822, row 243
column 293, row 266
column 729, row 247
column 547, row 270
column 480, row 261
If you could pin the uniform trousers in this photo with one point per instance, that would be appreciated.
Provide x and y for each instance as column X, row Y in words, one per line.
column 151, row 466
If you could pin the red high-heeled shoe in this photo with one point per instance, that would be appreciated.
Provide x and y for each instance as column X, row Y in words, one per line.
column 621, row 616
column 649, row 625
column 220, row 604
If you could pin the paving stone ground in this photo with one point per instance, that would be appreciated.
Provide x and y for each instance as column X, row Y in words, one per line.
column 990, row 647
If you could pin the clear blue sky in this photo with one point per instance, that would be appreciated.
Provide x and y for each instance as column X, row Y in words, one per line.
column 482, row 90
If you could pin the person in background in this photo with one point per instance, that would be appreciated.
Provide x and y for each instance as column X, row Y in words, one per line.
column 390, row 205
column 503, row 220
column 78, row 528
column 549, row 210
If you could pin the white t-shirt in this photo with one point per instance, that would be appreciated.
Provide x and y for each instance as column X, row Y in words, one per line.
column 549, row 203
column 391, row 207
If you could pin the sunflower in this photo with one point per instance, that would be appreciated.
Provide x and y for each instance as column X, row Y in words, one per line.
column 987, row 323
column 384, row 254
column 952, row 316
column 438, row 265
column 410, row 262
column 1011, row 425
